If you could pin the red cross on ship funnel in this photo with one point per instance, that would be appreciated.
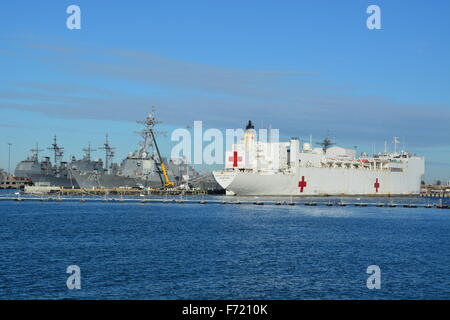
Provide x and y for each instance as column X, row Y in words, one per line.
column 302, row 184
column 376, row 185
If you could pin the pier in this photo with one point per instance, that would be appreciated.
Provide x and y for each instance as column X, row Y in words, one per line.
column 36, row 190
column 436, row 195
column 12, row 182
column 435, row 191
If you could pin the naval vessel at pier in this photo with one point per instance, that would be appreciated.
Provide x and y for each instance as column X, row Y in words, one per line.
column 44, row 172
column 287, row 169
column 143, row 168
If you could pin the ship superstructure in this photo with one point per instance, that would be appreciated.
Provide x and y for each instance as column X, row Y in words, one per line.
column 142, row 164
column 290, row 169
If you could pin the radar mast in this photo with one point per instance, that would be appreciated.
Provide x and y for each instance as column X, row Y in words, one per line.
column 35, row 153
column 109, row 153
column 57, row 151
column 149, row 136
column 326, row 143
column 87, row 152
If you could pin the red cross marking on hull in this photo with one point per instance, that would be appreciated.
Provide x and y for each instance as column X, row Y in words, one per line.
column 302, row 184
column 376, row 185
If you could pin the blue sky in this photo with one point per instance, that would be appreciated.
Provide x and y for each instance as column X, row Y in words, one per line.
column 305, row 67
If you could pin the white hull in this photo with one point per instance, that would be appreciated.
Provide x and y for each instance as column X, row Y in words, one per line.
column 320, row 182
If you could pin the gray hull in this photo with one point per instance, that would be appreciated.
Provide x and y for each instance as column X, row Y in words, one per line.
column 53, row 181
column 89, row 180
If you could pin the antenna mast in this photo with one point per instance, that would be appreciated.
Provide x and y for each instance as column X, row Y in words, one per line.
column 109, row 153
column 35, row 152
column 149, row 139
column 87, row 152
column 57, row 150
column 147, row 133
column 395, row 142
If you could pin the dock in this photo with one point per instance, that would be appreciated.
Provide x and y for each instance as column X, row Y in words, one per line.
column 36, row 190
column 435, row 191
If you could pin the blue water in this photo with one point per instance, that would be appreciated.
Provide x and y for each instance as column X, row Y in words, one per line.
column 217, row 251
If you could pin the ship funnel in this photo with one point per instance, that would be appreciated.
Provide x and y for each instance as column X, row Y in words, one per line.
column 249, row 125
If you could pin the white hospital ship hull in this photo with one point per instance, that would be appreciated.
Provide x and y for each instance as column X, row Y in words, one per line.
column 319, row 182
column 262, row 168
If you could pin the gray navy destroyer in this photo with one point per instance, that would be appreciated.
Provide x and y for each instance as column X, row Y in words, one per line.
column 143, row 168
column 44, row 172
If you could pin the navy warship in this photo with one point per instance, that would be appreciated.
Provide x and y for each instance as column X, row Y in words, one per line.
column 143, row 168
column 58, row 174
column 44, row 172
